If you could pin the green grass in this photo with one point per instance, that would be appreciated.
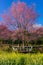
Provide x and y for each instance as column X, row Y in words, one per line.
column 20, row 59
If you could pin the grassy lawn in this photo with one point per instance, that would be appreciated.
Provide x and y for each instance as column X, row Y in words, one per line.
column 20, row 58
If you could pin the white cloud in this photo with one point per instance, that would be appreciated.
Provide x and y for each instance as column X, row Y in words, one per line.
column 37, row 25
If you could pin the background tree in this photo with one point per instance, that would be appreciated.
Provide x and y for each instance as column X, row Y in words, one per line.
column 4, row 34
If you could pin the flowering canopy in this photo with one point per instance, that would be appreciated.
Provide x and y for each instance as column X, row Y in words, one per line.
column 20, row 19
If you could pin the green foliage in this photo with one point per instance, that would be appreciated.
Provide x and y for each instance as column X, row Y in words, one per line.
column 17, row 41
column 40, row 41
column 37, row 42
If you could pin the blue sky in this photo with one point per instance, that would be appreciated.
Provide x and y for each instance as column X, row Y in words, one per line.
column 5, row 4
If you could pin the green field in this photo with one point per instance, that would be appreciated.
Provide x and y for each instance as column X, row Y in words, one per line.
column 20, row 59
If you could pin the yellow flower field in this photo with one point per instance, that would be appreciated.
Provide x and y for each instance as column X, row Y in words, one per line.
column 20, row 59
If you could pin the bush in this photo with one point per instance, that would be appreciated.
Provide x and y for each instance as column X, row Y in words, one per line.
column 7, row 48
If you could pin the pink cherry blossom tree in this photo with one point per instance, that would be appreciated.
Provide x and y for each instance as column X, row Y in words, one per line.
column 20, row 19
